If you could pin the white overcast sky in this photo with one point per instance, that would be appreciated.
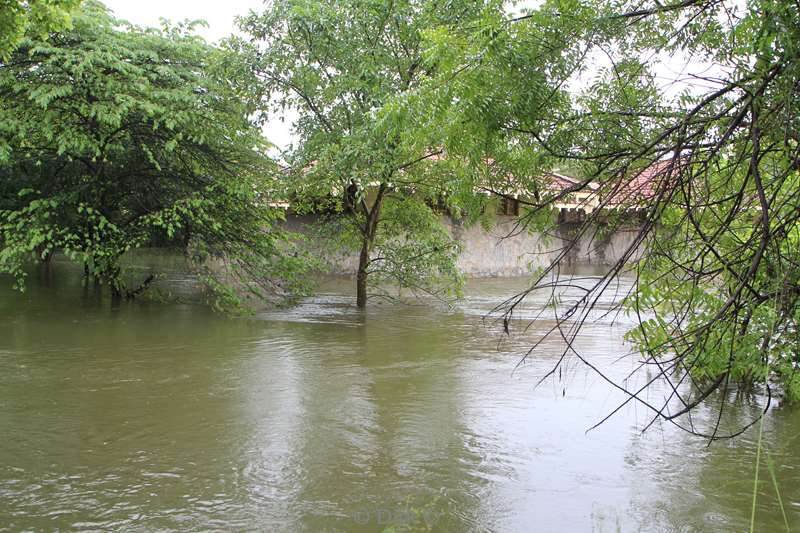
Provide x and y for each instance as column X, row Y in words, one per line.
column 218, row 13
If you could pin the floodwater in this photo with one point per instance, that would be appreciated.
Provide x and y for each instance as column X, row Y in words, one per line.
column 165, row 416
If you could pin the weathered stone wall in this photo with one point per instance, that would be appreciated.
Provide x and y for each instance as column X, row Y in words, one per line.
column 508, row 250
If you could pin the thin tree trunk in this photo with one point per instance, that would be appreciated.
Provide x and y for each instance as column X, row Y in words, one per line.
column 361, row 276
column 116, row 296
column 369, row 230
column 116, row 285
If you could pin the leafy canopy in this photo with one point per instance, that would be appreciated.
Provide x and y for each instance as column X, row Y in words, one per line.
column 336, row 65
column 112, row 136
column 35, row 17
column 582, row 85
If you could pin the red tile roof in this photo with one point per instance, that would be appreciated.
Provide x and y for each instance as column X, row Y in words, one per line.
column 640, row 189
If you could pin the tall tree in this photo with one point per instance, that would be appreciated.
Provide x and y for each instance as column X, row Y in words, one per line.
column 716, row 263
column 111, row 135
column 336, row 65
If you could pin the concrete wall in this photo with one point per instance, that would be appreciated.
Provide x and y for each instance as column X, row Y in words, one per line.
column 506, row 249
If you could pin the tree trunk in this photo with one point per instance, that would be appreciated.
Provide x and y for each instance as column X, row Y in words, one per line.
column 368, row 234
column 115, row 284
column 361, row 276
column 116, row 296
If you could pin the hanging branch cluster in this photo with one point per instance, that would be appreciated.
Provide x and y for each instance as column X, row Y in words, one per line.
column 711, row 174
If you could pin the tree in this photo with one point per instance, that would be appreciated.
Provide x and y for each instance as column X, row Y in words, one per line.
column 715, row 262
column 37, row 17
column 111, row 135
column 337, row 64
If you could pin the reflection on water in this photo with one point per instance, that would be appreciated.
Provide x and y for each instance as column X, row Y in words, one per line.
column 321, row 418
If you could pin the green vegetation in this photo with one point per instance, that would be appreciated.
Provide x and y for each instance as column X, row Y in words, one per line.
column 111, row 137
column 337, row 65
column 717, row 264
column 32, row 17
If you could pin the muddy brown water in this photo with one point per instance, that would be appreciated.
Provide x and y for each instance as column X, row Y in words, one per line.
column 165, row 416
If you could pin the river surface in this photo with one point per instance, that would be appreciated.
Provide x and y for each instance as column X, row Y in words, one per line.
column 165, row 416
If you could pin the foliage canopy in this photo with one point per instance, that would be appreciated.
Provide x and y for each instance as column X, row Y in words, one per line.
column 716, row 261
column 35, row 17
column 112, row 135
column 337, row 65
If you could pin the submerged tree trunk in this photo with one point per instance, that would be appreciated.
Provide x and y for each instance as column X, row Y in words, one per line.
column 368, row 235
column 116, row 295
column 361, row 276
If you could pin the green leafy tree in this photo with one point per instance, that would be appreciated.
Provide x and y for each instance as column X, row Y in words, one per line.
column 337, row 65
column 582, row 85
column 112, row 135
column 36, row 17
